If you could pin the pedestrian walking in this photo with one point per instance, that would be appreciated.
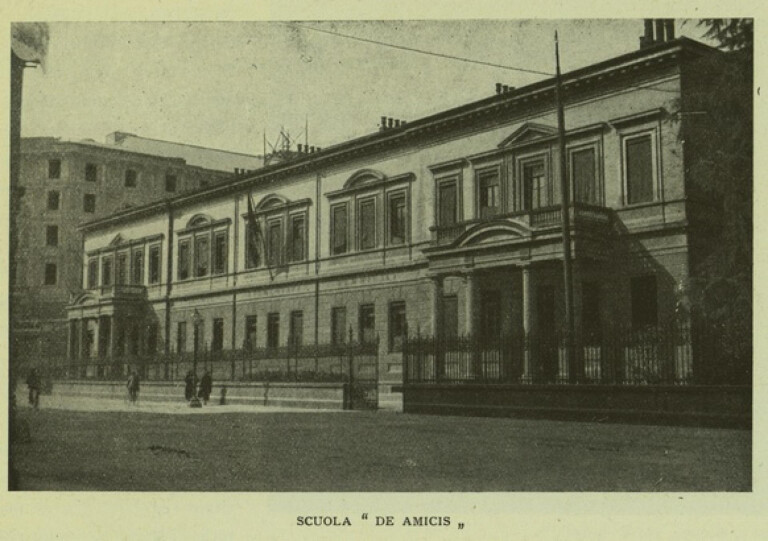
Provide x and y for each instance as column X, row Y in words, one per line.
column 206, row 386
column 33, row 383
column 189, row 386
column 133, row 387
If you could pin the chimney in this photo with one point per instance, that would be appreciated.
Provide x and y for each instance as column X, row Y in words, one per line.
column 498, row 88
column 299, row 148
column 390, row 123
column 659, row 38
column 383, row 125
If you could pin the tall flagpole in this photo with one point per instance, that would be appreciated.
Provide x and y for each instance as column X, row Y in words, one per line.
column 565, row 194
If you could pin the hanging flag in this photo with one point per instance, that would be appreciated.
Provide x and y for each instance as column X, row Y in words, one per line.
column 256, row 239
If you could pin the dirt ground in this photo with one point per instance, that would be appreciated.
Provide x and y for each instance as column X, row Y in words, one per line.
column 367, row 451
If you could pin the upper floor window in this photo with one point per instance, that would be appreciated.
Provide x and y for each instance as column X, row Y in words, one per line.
column 52, row 235
column 53, row 200
column 89, row 203
column 202, row 256
column 93, row 273
column 106, row 271
column 220, row 253
column 639, row 168
column 91, row 172
column 489, row 193
column 184, row 261
column 137, row 266
column 253, row 246
column 297, row 238
column 54, row 169
column 535, row 185
column 121, row 262
column 50, row 274
column 584, row 176
column 275, row 243
column 154, row 264
column 366, row 216
column 397, row 219
column 170, row 183
column 447, row 203
column 130, row 178
column 339, row 234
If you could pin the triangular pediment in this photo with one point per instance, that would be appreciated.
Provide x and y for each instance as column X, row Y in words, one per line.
column 117, row 240
column 528, row 132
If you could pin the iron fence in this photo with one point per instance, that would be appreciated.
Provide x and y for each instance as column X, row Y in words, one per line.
column 653, row 355
column 313, row 363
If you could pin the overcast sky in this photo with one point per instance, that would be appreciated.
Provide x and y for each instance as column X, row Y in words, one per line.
column 223, row 84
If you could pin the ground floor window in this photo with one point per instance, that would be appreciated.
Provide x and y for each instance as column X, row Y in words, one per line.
column 273, row 330
column 250, row 332
column 218, row 335
column 367, row 323
column 296, row 336
column 338, row 324
column 398, row 327
column 181, row 336
column 644, row 302
column 450, row 321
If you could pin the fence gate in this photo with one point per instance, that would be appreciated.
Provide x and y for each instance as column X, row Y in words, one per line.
column 362, row 390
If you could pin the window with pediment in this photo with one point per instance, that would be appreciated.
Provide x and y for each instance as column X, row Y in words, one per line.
column 276, row 234
column 202, row 247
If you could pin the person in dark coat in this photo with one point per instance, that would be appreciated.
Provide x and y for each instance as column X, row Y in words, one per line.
column 33, row 383
column 133, row 386
column 189, row 386
column 206, row 386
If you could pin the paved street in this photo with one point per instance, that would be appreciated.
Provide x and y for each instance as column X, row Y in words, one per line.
column 81, row 444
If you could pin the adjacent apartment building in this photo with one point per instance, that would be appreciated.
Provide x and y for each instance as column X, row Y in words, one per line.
column 69, row 182
column 449, row 223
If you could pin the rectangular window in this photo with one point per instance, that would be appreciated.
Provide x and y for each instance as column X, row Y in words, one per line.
column 297, row 238
column 398, row 326
column 202, row 256
column 296, row 336
column 91, row 172
column 584, row 176
column 397, row 220
column 489, row 200
column 275, row 244
column 450, row 316
column 338, row 324
column 590, row 312
column 52, row 235
column 250, row 332
column 54, row 169
column 106, row 271
column 367, row 323
column 120, row 267
column 93, row 273
column 644, row 301
column 220, row 253
column 218, row 334
column 366, row 216
column 89, row 202
column 534, row 186
column 447, row 204
column 137, row 267
column 273, row 330
column 50, row 274
column 252, row 247
column 339, row 232
column 170, row 183
column 181, row 337
column 154, row 264
column 130, row 178
column 639, row 169
column 184, row 256
column 53, row 200
column 490, row 315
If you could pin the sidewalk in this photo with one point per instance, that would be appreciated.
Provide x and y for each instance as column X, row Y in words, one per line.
column 81, row 403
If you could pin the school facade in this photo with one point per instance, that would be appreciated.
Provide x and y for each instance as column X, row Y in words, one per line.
column 450, row 225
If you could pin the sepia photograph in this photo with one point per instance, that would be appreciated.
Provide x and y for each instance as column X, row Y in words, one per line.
column 381, row 256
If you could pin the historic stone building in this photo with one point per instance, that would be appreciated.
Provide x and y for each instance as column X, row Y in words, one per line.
column 449, row 221
column 69, row 182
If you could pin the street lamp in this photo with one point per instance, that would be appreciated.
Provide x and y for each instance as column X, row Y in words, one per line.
column 196, row 320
